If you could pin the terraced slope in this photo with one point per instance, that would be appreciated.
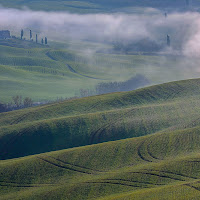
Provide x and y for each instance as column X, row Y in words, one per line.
column 159, row 166
column 161, row 108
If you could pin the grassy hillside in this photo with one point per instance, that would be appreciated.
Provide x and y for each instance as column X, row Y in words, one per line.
column 161, row 108
column 160, row 166
column 48, row 72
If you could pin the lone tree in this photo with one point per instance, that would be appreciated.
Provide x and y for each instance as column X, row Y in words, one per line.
column 168, row 41
column 17, row 100
column 36, row 38
column 22, row 33
column 30, row 34
column 42, row 41
column 27, row 102
column 46, row 40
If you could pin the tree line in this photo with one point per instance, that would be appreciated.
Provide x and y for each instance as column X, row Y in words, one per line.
column 18, row 102
column 109, row 87
column 43, row 40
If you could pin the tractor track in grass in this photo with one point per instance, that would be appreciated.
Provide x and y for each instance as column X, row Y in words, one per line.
column 27, row 185
column 73, row 165
column 114, row 183
column 93, row 106
column 149, row 152
column 191, row 186
column 17, row 186
column 64, row 167
column 75, row 72
column 50, row 56
column 72, row 69
column 158, row 175
column 140, row 154
column 97, row 134
column 18, row 120
column 131, row 181
column 176, row 174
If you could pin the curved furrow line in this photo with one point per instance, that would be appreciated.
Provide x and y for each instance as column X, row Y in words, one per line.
column 64, row 167
column 191, row 186
column 16, row 121
column 73, row 165
column 75, row 72
column 158, row 175
column 108, row 182
column 140, row 154
column 149, row 152
column 93, row 106
column 14, row 184
column 18, row 186
column 98, row 132
column 177, row 174
column 131, row 181
column 50, row 56
column 193, row 161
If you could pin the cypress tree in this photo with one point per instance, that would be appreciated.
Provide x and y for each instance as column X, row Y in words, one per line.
column 168, row 41
column 22, row 33
column 30, row 34
column 46, row 40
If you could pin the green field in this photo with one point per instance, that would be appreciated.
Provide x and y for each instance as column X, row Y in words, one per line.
column 42, row 72
column 142, row 144
column 155, row 154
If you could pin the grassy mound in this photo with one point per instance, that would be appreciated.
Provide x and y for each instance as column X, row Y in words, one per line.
column 162, row 165
column 161, row 108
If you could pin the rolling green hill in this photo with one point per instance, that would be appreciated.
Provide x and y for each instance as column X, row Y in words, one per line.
column 160, row 166
column 167, row 107
column 148, row 146
column 46, row 73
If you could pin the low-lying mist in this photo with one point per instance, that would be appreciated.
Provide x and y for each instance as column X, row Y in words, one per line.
column 121, row 29
column 183, row 28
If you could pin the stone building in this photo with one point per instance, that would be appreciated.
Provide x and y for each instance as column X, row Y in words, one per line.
column 4, row 34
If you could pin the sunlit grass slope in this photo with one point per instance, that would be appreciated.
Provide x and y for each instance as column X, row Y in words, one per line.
column 159, row 166
column 160, row 108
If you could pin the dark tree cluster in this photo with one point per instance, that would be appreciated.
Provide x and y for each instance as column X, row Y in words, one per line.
column 103, row 88
column 18, row 102
column 43, row 41
column 131, row 84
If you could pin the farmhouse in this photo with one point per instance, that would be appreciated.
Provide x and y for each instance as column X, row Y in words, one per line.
column 4, row 34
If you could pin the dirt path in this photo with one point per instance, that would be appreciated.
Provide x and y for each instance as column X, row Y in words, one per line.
column 74, row 71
